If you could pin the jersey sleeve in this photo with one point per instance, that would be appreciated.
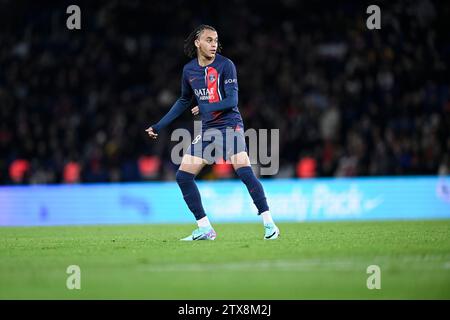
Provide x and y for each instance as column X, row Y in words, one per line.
column 230, row 82
column 179, row 106
column 186, row 90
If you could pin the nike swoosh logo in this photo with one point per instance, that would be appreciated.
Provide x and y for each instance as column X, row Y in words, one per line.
column 192, row 79
column 271, row 235
column 196, row 237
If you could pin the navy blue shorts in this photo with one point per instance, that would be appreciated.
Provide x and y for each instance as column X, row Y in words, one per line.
column 218, row 144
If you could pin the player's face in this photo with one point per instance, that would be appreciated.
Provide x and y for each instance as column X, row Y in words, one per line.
column 207, row 43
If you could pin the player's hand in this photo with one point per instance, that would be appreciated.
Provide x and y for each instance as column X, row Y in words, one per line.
column 151, row 134
column 195, row 110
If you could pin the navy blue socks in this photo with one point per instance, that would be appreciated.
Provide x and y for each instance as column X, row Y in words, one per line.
column 254, row 188
column 193, row 200
column 190, row 192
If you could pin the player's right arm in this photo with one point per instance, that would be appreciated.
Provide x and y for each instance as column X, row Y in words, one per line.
column 177, row 109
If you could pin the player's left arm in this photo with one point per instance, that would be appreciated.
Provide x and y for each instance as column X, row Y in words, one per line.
column 229, row 76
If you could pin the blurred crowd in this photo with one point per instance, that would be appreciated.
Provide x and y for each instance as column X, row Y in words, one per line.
column 348, row 101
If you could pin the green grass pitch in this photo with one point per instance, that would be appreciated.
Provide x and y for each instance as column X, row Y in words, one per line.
column 326, row 260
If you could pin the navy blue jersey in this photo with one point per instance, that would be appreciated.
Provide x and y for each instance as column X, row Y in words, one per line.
column 216, row 90
column 212, row 85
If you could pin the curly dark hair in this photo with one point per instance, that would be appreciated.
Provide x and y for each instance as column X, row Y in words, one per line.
column 189, row 46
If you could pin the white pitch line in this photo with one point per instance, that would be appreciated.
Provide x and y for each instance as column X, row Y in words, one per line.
column 251, row 266
column 426, row 263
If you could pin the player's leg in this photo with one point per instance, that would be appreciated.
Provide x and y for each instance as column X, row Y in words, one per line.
column 188, row 170
column 242, row 166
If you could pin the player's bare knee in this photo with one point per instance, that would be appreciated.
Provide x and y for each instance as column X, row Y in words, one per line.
column 240, row 160
column 191, row 164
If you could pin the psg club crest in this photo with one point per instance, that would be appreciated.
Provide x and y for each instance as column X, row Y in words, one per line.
column 212, row 78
